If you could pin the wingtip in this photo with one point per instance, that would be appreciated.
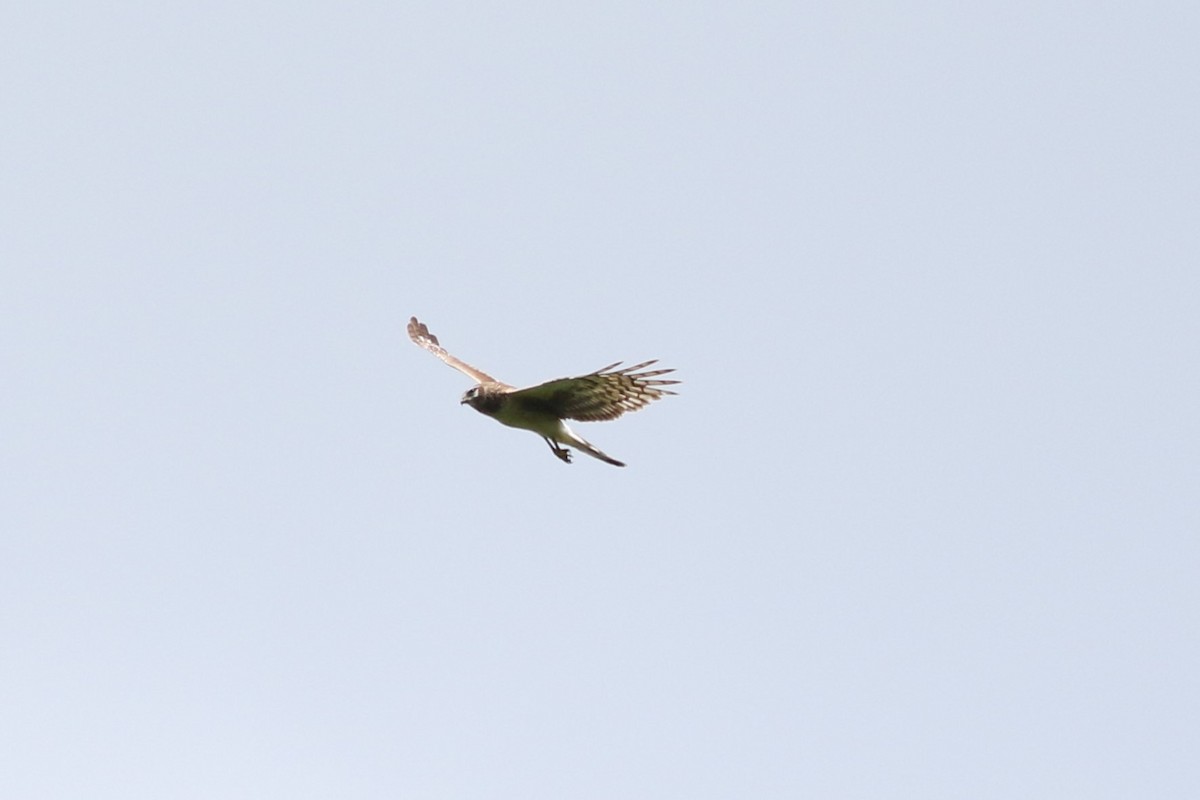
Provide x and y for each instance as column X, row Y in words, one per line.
column 418, row 331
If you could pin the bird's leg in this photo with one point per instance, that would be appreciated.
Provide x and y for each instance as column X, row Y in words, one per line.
column 561, row 452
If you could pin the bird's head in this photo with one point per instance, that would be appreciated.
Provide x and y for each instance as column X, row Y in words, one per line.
column 470, row 396
column 483, row 399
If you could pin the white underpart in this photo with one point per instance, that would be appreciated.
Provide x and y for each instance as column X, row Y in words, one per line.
column 552, row 428
column 565, row 435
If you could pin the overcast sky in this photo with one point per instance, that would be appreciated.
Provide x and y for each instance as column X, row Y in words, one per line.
column 922, row 522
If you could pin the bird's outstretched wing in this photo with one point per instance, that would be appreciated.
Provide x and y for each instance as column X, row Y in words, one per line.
column 604, row 394
column 419, row 333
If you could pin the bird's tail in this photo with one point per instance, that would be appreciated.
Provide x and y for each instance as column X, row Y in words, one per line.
column 596, row 453
column 593, row 451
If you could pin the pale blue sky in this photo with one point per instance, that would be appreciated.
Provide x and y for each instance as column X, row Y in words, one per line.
column 922, row 523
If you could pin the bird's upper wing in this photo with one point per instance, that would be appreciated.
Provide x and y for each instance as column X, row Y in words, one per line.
column 419, row 333
column 604, row 394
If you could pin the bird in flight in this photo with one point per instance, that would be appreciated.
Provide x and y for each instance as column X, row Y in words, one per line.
column 604, row 394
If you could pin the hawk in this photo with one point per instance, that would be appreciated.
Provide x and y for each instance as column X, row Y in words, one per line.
column 604, row 394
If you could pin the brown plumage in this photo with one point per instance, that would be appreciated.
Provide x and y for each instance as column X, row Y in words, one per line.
column 604, row 394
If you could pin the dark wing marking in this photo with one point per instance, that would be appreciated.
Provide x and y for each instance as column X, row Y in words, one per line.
column 604, row 394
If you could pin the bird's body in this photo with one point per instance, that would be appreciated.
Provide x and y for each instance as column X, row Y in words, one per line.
column 601, row 395
column 509, row 408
